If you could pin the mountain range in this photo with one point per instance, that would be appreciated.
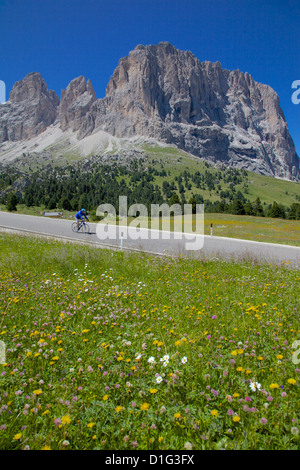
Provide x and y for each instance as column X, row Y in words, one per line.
column 158, row 93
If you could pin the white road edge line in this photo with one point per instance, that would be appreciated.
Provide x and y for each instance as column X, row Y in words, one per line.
column 106, row 245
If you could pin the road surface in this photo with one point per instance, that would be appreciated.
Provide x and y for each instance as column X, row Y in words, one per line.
column 196, row 246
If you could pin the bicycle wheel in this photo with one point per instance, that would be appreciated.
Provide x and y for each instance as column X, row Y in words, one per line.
column 74, row 227
column 86, row 228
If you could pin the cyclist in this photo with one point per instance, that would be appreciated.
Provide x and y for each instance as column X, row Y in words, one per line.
column 79, row 216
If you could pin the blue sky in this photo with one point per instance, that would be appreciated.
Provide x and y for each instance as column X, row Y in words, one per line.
column 63, row 39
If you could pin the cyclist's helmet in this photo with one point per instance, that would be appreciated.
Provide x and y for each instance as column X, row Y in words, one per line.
column 83, row 210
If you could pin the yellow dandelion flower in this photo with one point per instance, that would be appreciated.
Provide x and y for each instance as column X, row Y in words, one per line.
column 46, row 447
column 17, row 436
column 177, row 415
column 274, row 386
column 214, row 413
column 145, row 406
column 292, row 381
column 66, row 419
column 236, row 419
column 90, row 425
column 118, row 409
column 153, row 390
column 37, row 392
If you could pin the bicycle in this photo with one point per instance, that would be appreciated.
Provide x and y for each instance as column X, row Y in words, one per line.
column 83, row 227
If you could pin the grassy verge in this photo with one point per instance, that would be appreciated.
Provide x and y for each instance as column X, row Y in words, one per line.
column 262, row 229
column 110, row 350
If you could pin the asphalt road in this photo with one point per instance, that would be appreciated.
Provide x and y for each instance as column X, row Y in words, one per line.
column 199, row 246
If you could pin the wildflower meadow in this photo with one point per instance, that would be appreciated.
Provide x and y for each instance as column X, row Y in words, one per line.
column 120, row 351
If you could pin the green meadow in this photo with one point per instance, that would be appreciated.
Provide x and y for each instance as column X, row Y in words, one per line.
column 176, row 161
column 112, row 350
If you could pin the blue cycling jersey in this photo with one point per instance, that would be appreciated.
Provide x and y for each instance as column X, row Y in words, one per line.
column 80, row 215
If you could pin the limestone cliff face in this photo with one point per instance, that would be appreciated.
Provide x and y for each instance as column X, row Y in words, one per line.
column 76, row 102
column 161, row 92
column 30, row 110
column 220, row 115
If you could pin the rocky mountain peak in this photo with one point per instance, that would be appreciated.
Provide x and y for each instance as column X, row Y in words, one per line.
column 30, row 110
column 220, row 115
column 161, row 92
column 33, row 87
column 76, row 102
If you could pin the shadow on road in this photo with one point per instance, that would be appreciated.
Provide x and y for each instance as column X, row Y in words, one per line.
column 85, row 233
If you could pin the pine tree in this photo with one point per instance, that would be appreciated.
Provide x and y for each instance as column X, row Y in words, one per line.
column 12, row 201
column 257, row 207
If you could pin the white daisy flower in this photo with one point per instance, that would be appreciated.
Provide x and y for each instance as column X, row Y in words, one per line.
column 184, row 360
column 255, row 386
column 158, row 379
column 151, row 360
column 165, row 358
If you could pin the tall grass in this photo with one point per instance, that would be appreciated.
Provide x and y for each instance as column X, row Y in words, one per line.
column 111, row 350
